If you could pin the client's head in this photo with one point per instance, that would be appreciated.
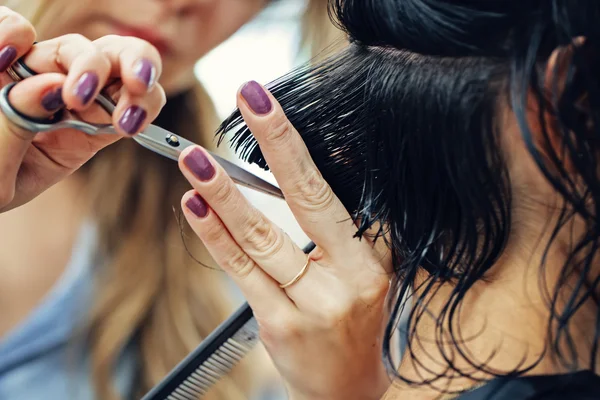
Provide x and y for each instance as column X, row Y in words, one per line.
column 468, row 131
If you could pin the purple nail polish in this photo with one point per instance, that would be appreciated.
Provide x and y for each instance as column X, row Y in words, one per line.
column 256, row 98
column 7, row 56
column 197, row 205
column 86, row 87
column 199, row 164
column 53, row 101
column 145, row 72
column 132, row 119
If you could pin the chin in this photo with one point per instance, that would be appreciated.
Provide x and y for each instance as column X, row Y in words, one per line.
column 174, row 87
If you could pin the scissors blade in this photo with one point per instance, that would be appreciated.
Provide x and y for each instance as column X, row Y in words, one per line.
column 169, row 145
column 165, row 143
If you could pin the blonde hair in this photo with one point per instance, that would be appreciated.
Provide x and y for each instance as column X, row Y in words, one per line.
column 149, row 288
column 319, row 35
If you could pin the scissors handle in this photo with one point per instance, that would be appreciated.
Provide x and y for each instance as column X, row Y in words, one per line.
column 50, row 124
column 20, row 71
column 154, row 138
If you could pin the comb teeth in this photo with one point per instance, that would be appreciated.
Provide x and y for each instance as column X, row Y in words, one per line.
column 219, row 364
column 213, row 359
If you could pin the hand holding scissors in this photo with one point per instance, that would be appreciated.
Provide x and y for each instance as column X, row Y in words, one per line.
column 45, row 143
column 70, row 72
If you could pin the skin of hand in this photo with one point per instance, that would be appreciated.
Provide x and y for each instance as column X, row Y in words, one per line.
column 72, row 71
column 324, row 332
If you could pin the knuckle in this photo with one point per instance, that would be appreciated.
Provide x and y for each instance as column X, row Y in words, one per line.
column 8, row 16
column 240, row 264
column 278, row 329
column 213, row 233
column 107, row 40
column 74, row 38
column 259, row 233
column 136, row 46
column 223, row 191
column 18, row 24
column 279, row 129
column 334, row 311
column 110, row 38
column 313, row 192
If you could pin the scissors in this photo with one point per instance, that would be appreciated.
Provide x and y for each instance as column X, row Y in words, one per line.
column 154, row 138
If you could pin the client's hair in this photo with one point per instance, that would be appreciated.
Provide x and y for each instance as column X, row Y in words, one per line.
column 403, row 126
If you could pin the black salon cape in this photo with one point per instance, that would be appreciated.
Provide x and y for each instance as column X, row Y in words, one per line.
column 584, row 385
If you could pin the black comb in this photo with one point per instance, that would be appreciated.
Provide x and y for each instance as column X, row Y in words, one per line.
column 214, row 358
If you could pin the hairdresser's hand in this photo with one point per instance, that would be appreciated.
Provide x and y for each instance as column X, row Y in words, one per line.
column 72, row 70
column 324, row 332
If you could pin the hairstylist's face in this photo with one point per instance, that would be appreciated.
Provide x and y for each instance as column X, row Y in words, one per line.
column 182, row 30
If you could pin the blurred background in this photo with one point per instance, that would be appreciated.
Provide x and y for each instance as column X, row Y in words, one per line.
column 269, row 46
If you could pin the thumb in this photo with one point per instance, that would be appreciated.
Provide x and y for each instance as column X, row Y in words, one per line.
column 37, row 97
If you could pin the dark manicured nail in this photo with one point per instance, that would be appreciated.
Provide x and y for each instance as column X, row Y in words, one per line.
column 199, row 164
column 53, row 101
column 145, row 72
column 132, row 119
column 256, row 98
column 197, row 205
column 7, row 57
column 86, row 87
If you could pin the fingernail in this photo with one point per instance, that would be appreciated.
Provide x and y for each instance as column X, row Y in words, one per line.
column 199, row 164
column 53, row 101
column 132, row 119
column 7, row 57
column 145, row 72
column 86, row 87
column 256, row 98
column 197, row 205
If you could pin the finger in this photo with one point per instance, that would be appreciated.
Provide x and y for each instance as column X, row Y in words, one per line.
column 258, row 237
column 135, row 61
column 133, row 114
column 87, row 68
column 262, row 292
column 37, row 97
column 17, row 35
column 318, row 211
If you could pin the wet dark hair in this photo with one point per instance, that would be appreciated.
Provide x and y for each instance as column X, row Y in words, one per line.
column 403, row 125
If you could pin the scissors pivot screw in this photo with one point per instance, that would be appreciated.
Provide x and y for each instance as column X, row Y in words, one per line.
column 153, row 138
column 172, row 140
